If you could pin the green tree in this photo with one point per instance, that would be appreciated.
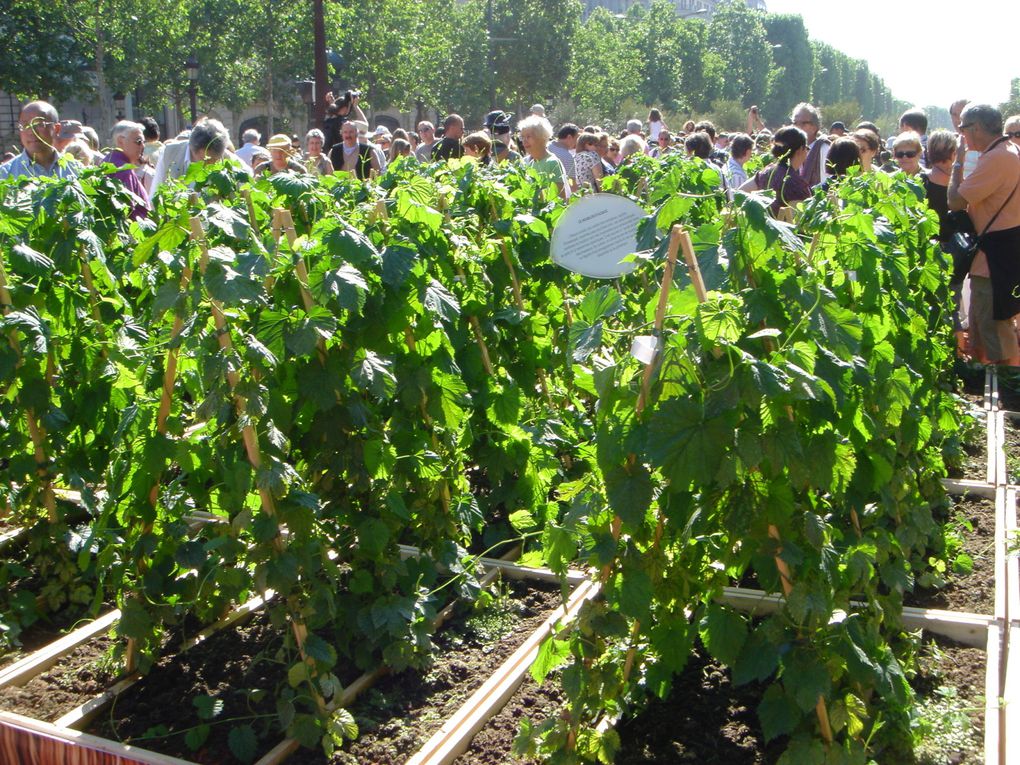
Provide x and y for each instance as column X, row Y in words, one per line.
column 606, row 68
column 738, row 35
column 791, row 50
column 532, row 61
column 44, row 57
column 1012, row 105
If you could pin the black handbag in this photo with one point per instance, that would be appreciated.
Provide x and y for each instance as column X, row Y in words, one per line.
column 964, row 243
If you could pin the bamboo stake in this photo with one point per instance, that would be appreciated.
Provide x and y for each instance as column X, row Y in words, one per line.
column 785, row 576
column 35, row 431
column 284, row 221
column 250, row 440
column 519, row 302
column 165, row 402
column 246, row 193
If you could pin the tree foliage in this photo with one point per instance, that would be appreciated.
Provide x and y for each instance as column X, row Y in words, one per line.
column 467, row 57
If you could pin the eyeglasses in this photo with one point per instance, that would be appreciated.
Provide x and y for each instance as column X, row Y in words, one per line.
column 906, row 154
column 139, row 141
column 966, row 126
column 1013, row 134
column 36, row 124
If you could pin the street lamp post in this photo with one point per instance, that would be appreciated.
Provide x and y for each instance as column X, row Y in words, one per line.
column 308, row 91
column 320, row 73
column 192, row 66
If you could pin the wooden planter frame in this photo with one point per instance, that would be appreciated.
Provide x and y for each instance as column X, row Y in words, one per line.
column 77, row 748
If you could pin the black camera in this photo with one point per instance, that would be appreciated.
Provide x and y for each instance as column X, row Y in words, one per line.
column 348, row 98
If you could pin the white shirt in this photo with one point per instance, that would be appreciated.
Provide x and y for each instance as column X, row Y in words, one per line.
column 823, row 156
column 246, row 151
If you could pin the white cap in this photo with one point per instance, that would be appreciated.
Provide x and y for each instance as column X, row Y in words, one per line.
column 382, row 130
column 538, row 109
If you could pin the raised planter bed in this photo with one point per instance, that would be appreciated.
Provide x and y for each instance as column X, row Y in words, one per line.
column 973, row 591
column 81, row 715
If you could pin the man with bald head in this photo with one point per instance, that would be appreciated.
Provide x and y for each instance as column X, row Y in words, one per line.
column 39, row 126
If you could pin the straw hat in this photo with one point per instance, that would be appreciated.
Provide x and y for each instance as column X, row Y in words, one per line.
column 280, row 141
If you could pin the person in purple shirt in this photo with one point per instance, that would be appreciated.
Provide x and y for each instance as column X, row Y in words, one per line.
column 130, row 144
column 789, row 147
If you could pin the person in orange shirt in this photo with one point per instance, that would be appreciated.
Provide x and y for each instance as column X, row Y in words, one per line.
column 991, row 196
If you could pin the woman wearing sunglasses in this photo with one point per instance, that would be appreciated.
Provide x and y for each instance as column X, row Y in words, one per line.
column 907, row 152
column 1012, row 129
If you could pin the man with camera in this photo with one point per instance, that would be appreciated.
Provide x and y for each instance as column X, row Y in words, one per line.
column 991, row 196
column 339, row 111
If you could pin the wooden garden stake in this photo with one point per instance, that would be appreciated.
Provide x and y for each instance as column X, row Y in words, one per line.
column 165, row 401
column 35, row 431
column 785, row 576
column 646, row 380
column 246, row 193
column 250, row 440
column 519, row 302
column 284, row 221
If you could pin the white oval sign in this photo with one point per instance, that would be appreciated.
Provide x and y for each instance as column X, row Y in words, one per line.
column 595, row 233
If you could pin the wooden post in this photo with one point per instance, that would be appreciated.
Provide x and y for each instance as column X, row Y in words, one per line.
column 519, row 302
column 246, row 193
column 165, row 402
column 250, row 440
column 35, row 430
column 785, row 576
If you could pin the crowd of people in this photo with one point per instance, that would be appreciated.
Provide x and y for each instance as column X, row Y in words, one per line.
column 970, row 175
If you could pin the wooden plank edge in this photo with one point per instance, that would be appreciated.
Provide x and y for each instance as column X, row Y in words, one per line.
column 1010, row 550
column 966, row 628
column 85, row 713
column 288, row 746
column 512, row 569
column 12, row 536
column 1011, row 697
column 130, row 754
column 999, row 554
column 455, row 735
column 1001, row 475
column 994, row 712
column 991, row 389
column 990, row 441
column 966, row 486
column 20, row 672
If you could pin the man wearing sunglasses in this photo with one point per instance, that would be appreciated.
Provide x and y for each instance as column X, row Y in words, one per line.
column 991, row 196
column 38, row 128
column 130, row 141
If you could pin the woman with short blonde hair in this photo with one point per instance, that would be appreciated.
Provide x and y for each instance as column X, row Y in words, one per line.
column 907, row 152
column 536, row 132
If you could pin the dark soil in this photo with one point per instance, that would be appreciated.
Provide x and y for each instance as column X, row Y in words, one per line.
column 944, row 664
column 704, row 719
column 232, row 666
column 707, row 720
column 242, row 668
column 975, row 591
column 493, row 744
column 402, row 712
column 60, row 689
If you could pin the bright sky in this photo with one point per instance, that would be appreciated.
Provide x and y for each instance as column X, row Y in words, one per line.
column 930, row 52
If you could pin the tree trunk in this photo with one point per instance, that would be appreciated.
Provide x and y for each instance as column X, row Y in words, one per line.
column 105, row 121
column 269, row 103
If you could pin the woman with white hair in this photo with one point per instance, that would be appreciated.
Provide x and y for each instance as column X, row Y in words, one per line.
column 315, row 161
column 127, row 136
column 536, row 132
